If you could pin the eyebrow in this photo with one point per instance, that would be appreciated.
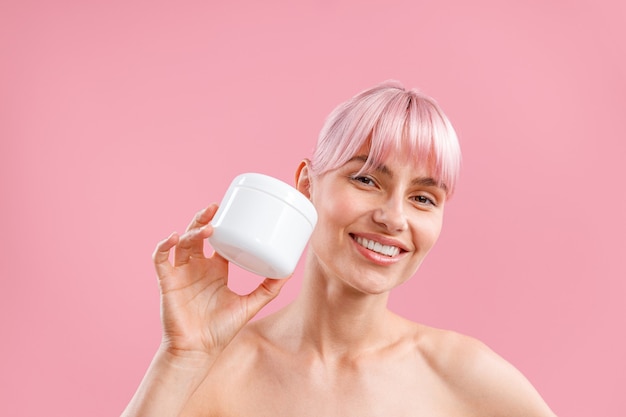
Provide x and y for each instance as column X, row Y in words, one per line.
column 422, row 181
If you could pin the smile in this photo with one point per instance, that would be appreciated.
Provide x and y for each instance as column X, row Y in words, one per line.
column 377, row 247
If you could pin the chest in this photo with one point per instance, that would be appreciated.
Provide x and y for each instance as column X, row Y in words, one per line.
column 374, row 390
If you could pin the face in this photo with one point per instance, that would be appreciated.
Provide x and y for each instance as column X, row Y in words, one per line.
column 374, row 229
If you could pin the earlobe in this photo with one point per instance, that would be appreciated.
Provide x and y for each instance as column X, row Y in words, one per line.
column 303, row 178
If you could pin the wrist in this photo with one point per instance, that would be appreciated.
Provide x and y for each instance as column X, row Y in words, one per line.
column 186, row 359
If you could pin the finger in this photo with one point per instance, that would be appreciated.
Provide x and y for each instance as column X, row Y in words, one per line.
column 191, row 245
column 161, row 253
column 203, row 217
column 192, row 242
column 222, row 262
column 263, row 294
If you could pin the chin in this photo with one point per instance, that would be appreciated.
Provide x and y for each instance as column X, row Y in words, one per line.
column 374, row 284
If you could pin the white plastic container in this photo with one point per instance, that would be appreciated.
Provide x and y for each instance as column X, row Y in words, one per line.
column 263, row 225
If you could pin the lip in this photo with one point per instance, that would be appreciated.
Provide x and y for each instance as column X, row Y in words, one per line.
column 375, row 257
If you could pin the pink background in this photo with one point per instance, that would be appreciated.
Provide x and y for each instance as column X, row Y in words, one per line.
column 119, row 120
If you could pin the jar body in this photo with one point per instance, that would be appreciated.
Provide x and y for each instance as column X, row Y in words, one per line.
column 263, row 225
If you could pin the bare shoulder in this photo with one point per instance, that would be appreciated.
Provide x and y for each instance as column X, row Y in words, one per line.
column 478, row 376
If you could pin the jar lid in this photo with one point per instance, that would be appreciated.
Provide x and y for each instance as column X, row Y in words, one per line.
column 280, row 190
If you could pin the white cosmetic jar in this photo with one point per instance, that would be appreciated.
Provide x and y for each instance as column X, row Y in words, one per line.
column 263, row 225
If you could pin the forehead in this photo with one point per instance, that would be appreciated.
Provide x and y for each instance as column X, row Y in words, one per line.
column 393, row 159
column 396, row 163
column 392, row 167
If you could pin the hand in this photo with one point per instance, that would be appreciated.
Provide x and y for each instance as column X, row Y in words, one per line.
column 200, row 314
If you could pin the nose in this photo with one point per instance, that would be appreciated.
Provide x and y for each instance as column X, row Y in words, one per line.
column 391, row 215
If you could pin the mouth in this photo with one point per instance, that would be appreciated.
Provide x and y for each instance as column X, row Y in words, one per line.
column 382, row 249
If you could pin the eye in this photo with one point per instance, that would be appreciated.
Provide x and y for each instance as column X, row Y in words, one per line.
column 363, row 180
column 422, row 199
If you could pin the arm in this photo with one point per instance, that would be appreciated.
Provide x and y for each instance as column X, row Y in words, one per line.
column 200, row 316
column 168, row 384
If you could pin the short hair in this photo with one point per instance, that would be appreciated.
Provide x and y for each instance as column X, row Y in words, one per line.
column 389, row 118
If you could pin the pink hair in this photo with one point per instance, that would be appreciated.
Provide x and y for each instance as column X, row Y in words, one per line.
column 389, row 118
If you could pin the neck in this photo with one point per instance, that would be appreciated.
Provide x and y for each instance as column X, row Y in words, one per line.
column 336, row 319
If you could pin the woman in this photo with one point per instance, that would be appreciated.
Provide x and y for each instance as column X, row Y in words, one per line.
column 385, row 164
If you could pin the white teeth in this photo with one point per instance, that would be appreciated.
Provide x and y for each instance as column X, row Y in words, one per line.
column 377, row 247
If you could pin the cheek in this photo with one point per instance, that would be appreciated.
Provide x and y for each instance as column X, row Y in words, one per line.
column 335, row 215
column 435, row 231
column 335, row 212
column 428, row 232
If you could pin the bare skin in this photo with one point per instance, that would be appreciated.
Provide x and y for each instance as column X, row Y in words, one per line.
column 336, row 350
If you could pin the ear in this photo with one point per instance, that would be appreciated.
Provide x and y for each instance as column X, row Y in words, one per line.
column 303, row 178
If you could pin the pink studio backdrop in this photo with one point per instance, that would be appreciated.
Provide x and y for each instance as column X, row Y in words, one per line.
column 119, row 120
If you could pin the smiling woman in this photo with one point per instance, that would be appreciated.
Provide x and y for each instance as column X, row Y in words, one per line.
column 393, row 205
column 385, row 164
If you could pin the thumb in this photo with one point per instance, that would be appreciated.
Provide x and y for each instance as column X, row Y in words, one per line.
column 263, row 294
